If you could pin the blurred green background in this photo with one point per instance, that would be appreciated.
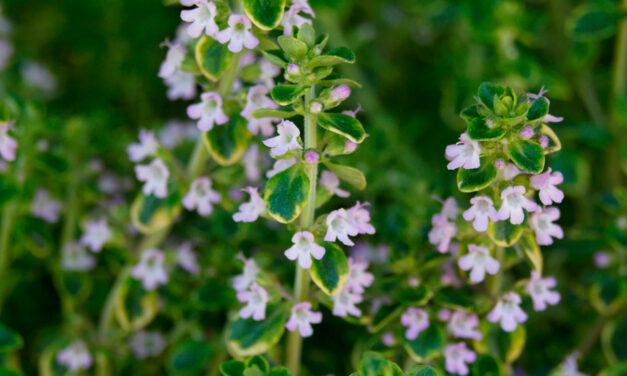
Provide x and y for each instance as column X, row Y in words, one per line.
column 420, row 62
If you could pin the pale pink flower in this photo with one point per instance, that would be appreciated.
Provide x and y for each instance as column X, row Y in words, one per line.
column 450, row 209
column 302, row 317
column 256, row 299
column 513, row 204
column 181, row 85
column 45, row 207
column 479, row 260
column 173, row 59
column 526, row 132
column 353, row 113
column 482, row 211
column 6, row 51
column 539, row 290
column 358, row 276
column 257, row 98
column 147, row 146
column 250, row 160
column 155, row 177
column 201, row 196
column 281, row 165
column 332, row 183
column 442, row 232
column 151, row 269
column 360, row 218
column 464, row 325
column 243, row 281
column 75, row 258
column 97, row 233
column 456, row 356
column 292, row 18
column 340, row 226
column 345, row 302
column 268, row 72
column 507, row 311
column 602, row 259
column 208, row 111
column 238, row 34
column 416, row 320
column 304, row 248
column 202, row 17
column 176, row 132
column 509, row 172
column 147, row 344
column 465, row 153
column 75, row 357
column 541, row 223
column 187, row 258
column 8, row 144
column 38, row 76
column 287, row 139
column 388, row 339
column 250, row 211
column 569, row 367
column 546, row 184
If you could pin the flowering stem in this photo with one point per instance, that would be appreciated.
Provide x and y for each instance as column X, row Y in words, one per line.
column 301, row 280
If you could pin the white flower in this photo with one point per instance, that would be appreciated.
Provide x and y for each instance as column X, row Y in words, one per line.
column 8, row 144
column 175, row 132
column 38, row 76
column 97, row 233
column 250, row 211
column 257, row 299
column 332, row 183
column 479, row 260
column 538, row 289
column 75, row 357
column 147, row 146
column 456, row 356
column 569, row 367
column 201, row 196
column 416, row 320
column 360, row 219
column 304, row 248
column 345, row 302
column 481, row 210
column 250, row 160
column 258, row 98
column 243, row 281
column 541, row 223
column 513, row 204
column 358, row 276
column 450, row 209
column 340, row 226
column 508, row 172
column 44, row 207
column 268, row 72
column 150, row 269
column 202, row 17
column 181, row 85
column 208, row 111
column 155, row 177
column 546, row 184
column 442, row 232
column 173, row 59
column 508, row 312
column 238, row 33
column 465, row 153
column 292, row 17
column 286, row 140
column 186, row 258
column 464, row 325
column 281, row 165
column 302, row 317
column 75, row 258
column 147, row 344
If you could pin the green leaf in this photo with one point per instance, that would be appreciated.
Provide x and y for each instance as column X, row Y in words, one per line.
column 554, row 141
column 150, row 214
column 592, row 21
column 529, row 247
column 486, row 365
column 280, row 371
column 287, row 94
column 385, row 314
column 9, row 340
column 227, row 142
column 488, row 91
column 503, row 233
column 259, row 362
column 214, row 294
column 340, row 81
column 527, row 155
column 249, row 337
column 266, row 14
column 375, row 364
column 351, row 175
column 307, row 34
column 333, row 57
column 344, row 53
column 286, row 193
column 293, row 47
column 331, row 272
column 212, row 57
column 454, row 297
column 269, row 112
column 418, row 295
column 276, row 57
column 232, row 368
column 427, row 345
column 470, row 113
column 9, row 372
column 477, row 178
column 420, row 370
column 135, row 307
column 479, row 130
column 618, row 369
column 344, row 125
column 539, row 108
column 190, row 357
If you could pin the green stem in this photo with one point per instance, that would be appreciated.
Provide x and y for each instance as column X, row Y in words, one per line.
column 497, row 280
column 109, row 307
column 9, row 213
column 619, row 82
column 301, row 279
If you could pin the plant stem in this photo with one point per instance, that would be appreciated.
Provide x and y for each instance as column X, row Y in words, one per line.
column 619, row 82
column 497, row 280
column 8, row 217
column 301, row 279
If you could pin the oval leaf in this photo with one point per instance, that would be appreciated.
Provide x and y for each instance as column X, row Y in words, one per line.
column 227, row 142
column 529, row 247
column 503, row 233
column 332, row 57
column 479, row 130
column 150, row 214
column 232, row 368
column 269, row 112
column 592, row 22
column 247, row 337
column 293, row 47
column 286, row 193
column 286, row 94
column 331, row 272
column 486, row 365
column 527, row 155
column 344, row 125
column 488, row 91
column 351, row 175
column 266, row 14
column 190, row 357
column 212, row 57
column 427, row 345
column 9, row 340
column 421, row 370
column 476, row 178
column 375, row 364
column 539, row 108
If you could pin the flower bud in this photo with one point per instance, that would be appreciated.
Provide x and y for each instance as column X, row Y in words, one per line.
column 349, row 146
column 340, row 93
column 312, row 156
column 293, row 69
column 315, row 107
column 499, row 163
column 526, row 132
column 544, row 141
